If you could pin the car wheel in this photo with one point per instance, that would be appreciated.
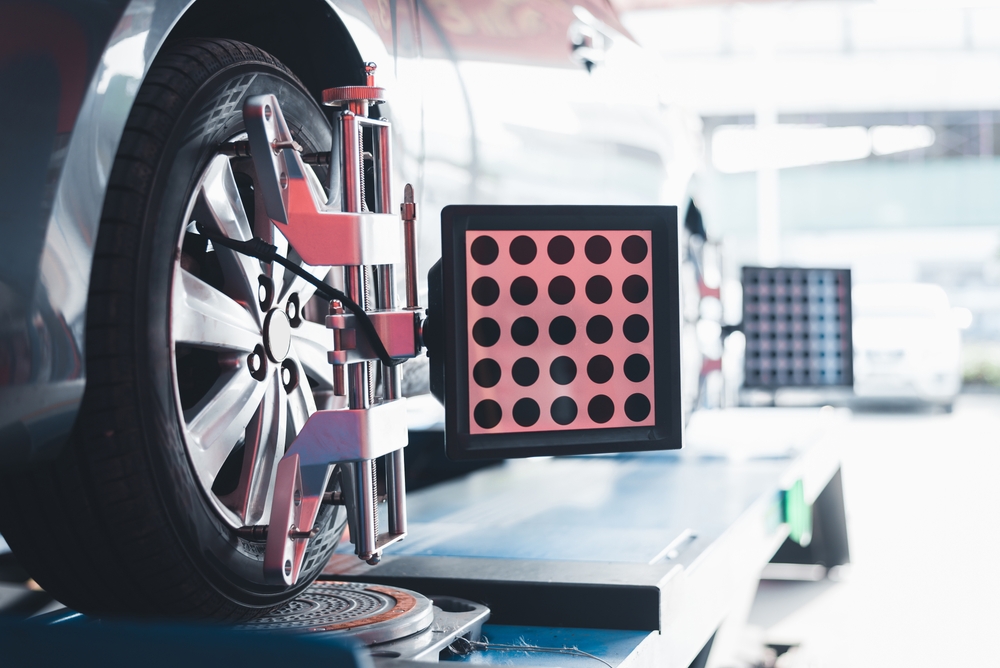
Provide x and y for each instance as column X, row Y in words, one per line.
column 191, row 395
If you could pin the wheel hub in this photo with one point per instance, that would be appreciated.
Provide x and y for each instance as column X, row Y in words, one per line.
column 277, row 335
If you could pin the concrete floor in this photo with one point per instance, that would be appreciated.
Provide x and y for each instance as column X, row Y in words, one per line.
column 922, row 491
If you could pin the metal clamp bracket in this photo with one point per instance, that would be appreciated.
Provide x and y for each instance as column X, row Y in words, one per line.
column 398, row 330
column 342, row 231
column 351, row 435
column 319, row 230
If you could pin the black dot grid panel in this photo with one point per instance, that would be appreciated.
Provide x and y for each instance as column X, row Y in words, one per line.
column 559, row 330
column 797, row 323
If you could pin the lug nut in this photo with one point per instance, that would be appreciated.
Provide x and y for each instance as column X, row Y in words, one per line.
column 289, row 375
column 257, row 363
column 294, row 310
column 265, row 292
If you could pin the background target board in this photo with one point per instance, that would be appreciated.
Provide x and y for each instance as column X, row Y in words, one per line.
column 797, row 323
column 562, row 330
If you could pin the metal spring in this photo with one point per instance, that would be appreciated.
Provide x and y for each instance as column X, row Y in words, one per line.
column 375, row 499
column 361, row 171
column 369, row 277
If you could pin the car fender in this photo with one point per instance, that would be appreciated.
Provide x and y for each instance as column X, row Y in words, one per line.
column 43, row 305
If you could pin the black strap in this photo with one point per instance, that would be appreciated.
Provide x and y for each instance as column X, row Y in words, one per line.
column 265, row 252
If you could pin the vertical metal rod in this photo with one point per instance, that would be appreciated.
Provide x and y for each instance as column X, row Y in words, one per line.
column 386, row 298
column 358, row 378
column 336, row 184
column 367, row 540
column 392, row 385
column 375, row 527
column 408, row 212
column 395, row 479
column 383, row 162
column 350, row 165
column 339, row 371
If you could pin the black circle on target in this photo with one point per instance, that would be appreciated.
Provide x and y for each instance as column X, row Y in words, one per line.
column 637, row 407
column 526, row 412
column 524, row 331
column 562, row 330
column 486, row 332
column 599, row 329
column 523, row 250
column 524, row 372
column 598, row 249
column 635, row 328
column 599, row 289
column 485, row 250
column 563, row 370
column 562, row 290
column 635, row 288
column 487, row 414
column 600, row 368
column 634, row 249
column 563, row 410
column 485, row 291
column 486, row 373
column 523, row 290
column 561, row 249
column 636, row 368
column 601, row 409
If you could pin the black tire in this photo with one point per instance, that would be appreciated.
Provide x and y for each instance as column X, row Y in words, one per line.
column 119, row 524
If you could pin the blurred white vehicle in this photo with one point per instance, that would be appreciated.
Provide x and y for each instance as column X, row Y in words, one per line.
column 907, row 344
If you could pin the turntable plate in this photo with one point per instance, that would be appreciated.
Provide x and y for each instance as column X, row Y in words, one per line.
column 369, row 613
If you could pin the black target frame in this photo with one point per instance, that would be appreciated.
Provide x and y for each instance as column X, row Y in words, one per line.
column 664, row 434
column 797, row 342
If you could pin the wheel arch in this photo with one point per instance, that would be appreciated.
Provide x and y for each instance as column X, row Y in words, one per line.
column 307, row 36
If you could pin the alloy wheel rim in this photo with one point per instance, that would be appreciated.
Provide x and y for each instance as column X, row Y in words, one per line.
column 246, row 363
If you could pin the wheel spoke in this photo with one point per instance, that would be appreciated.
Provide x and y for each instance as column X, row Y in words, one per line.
column 204, row 316
column 311, row 342
column 264, row 445
column 281, row 277
column 220, row 209
column 274, row 271
column 215, row 425
column 301, row 403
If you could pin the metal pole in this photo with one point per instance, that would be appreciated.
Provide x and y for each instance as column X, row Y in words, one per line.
column 384, row 162
column 392, row 387
column 350, row 165
column 396, row 492
column 359, row 381
column 408, row 212
column 364, row 497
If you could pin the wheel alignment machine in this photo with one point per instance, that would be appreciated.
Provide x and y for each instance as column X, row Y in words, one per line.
column 602, row 375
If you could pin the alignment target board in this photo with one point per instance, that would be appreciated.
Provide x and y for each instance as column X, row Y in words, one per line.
column 565, row 331
column 797, row 323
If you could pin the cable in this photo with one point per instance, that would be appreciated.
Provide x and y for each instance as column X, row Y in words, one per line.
column 265, row 252
column 463, row 646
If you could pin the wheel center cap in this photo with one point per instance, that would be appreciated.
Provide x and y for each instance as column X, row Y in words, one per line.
column 277, row 334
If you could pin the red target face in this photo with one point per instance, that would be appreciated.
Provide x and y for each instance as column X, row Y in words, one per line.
column 560, row 330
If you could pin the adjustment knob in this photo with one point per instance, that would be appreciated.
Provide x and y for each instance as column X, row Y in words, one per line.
column 356, row 98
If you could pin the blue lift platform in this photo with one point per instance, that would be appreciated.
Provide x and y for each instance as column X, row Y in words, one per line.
column 628, row 561
column 647, row 559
